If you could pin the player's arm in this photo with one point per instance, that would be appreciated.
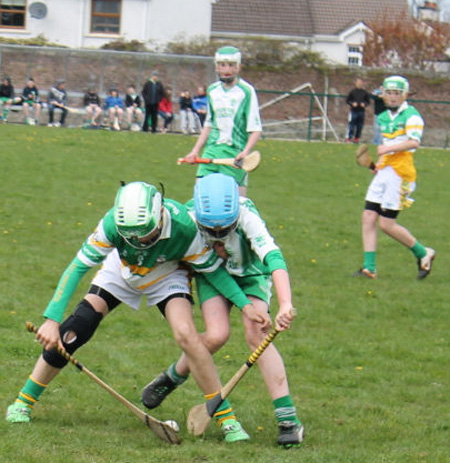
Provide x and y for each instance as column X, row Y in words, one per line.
column 251, row 142
column 405, row 145
column 199, row 144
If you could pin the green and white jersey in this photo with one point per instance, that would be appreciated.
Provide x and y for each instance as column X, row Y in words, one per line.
column 251, row 248
column 232, row 115
column 180, row 243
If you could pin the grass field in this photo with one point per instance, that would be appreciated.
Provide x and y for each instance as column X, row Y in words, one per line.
column 368, row 361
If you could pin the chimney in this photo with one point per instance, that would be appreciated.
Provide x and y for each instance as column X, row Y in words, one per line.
column 428, row 12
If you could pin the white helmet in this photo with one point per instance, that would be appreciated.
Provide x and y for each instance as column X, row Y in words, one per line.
column 399, row 83
column 137, row 213
column 228, row 54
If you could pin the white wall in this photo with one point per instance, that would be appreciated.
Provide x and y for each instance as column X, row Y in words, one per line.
column 154, row 21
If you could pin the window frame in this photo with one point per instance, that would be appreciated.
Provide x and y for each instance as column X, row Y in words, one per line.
column 13, row 11
column 106, row 15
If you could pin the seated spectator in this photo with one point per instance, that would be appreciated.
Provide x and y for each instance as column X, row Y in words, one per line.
column 165, row 109
column 133, row 108
column 200, row 104
column 114, row 107
column 92, row 105
column 7, row 97
column 30, row 100
column 187, row 114
column 57, row 98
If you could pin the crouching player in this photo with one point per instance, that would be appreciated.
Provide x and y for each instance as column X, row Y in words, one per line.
column 143, row 242
column 235, row 230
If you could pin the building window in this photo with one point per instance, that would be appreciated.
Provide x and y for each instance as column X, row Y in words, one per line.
column 354, row 55
column 105, row 17
column 12, row 13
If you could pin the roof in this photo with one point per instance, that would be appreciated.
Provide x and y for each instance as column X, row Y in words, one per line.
column 303, row 18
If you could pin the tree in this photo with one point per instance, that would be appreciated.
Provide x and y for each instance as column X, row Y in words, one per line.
column 405, row 42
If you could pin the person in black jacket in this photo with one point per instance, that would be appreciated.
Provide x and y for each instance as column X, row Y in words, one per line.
column 93, row 106
column 152, row 93
column 358, row 100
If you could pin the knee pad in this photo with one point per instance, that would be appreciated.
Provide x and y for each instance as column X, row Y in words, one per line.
column 75, row 331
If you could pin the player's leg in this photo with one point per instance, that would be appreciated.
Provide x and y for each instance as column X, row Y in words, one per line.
column 75, row 331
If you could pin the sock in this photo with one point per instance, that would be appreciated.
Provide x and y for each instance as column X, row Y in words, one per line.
column 5, row 113
column 174, row 376
column 418, row 250
column 224, row 412
column 285, row 409
column 369, row 261
column 31, row 392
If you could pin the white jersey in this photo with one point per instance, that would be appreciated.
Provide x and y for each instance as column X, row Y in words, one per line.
column 249, row 244
column 232, row 114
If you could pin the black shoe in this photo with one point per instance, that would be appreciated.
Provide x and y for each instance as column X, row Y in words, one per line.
column 290, row 434
column 157, row 390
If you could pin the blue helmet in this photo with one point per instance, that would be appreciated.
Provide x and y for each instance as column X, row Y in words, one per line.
column 216, row 200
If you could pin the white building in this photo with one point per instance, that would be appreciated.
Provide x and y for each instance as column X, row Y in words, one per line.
column 92, row 23
column 333, row 28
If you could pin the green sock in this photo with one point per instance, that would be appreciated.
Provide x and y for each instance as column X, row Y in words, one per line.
column 369, row 261
column 418, row 250
column 224, row 412
column 285, row 409
column 174, row 376
column 31, row 392
column 5, row 113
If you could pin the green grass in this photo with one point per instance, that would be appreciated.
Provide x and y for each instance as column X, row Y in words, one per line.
column 367, row 360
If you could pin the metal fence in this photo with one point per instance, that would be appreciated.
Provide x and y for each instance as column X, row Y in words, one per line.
column 323, row 116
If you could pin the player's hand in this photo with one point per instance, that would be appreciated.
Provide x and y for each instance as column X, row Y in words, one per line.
column 190, row 158
column 48, row 335
column 284, row 318
column 257, row 316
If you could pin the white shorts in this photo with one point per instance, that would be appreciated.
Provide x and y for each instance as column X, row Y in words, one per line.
column 390, row 191
column 109, row 277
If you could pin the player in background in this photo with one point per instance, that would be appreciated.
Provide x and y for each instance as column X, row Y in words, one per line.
column 141, row 243
column 395, row 179
column 234, row 229
column 233, row 125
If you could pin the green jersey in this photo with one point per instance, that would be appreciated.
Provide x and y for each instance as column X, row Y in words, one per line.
column 180, row 243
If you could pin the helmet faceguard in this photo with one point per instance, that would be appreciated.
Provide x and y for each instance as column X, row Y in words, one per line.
column 216, row 201
column 138, row 214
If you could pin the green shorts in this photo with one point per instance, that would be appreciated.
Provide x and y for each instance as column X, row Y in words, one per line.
column 4, row 99
column 255, row 285
column 217, row 152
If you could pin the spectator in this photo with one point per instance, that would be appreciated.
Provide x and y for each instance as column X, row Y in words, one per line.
column 379, row 107
column 166, row 109
column 358, row 100
column 7, row 97
column 57, row 98
column 92, row 105
column 187, row 115
column 114, row 107
column 133, row 108
column 30, row 100
column 152, row 92
column 200, row 104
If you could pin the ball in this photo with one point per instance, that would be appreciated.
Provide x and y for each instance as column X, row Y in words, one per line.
column 173, row 424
